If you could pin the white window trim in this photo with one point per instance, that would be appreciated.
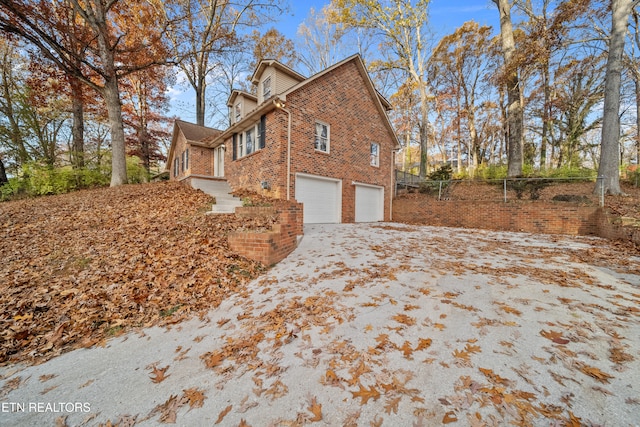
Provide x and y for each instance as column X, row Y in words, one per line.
column 374, row 160
column 318, row 122
column 237, row 113
column 241, row 141
column 266, row 88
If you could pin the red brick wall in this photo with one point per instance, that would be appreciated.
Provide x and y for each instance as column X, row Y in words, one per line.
column 269, row 247
column 200, row 160
column 267, row 164
column 341, row 100
column 608, row 228
column 532, row 217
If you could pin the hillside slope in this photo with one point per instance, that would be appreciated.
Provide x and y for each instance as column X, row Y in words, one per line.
column 81, row 267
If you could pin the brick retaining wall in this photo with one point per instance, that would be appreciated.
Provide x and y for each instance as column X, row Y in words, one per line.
column 272, row 246
column 531, row 216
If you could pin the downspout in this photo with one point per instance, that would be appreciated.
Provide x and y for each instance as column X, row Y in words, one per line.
column 393, row 182
column 280, row 105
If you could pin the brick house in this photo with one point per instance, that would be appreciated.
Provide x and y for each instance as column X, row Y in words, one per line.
column 325, row 141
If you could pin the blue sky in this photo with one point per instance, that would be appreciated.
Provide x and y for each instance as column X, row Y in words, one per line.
column 445, row 15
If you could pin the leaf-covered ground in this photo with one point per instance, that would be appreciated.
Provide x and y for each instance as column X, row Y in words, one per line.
column 82, row 267
column 370, row 325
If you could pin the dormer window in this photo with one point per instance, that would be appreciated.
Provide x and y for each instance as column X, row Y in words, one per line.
column 266, row 88
column 238, row 112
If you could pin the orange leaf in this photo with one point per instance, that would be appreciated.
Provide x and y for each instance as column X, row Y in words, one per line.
column 157, row 375
column 406, row 349
column 404, row 319
column 223, row 414
column 449, row 417
column 392, row 406
column 213, row 359
column 594, row 372
column 365, row 394
column 469, row 348
column 461, row 354
column 195, row 397
column 423, row 344
column 316, row 410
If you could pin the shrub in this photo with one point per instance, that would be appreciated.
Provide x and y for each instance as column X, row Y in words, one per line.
column 38, row 180
column 443, row 173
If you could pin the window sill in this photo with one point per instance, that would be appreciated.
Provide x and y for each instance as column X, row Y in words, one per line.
column 248, row 155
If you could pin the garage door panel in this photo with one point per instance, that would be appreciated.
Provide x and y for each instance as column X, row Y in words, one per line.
column 320, row 198
column 369, row 203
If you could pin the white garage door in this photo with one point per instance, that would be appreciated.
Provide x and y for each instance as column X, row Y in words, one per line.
column 369, row 203
column 321, row 199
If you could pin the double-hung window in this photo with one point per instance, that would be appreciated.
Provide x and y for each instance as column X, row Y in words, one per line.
column 375, row 154
column 238, row 112
column 321, row 138
column 266, row 88
column 251, row 140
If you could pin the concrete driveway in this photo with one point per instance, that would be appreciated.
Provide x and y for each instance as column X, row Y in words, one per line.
column 376, row 324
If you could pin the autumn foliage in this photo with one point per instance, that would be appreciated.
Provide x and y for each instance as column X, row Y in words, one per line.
column 79, row 268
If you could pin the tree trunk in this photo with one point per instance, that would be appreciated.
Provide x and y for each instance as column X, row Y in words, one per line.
column 638, row 121
column 608, row 171
column 118, row 150
column 3, row 174
column 546, row 117
column 514, row 99
column 424, row 132
column 200, row 90
column 77, row 129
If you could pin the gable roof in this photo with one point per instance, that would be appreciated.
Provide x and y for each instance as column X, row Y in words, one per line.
column 381, row 102
column 265, row 63
column 236, row 93
column 193, row 133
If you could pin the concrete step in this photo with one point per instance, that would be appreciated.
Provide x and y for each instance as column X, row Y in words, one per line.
column 220, row 190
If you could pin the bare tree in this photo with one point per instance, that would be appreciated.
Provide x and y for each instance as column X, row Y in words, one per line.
column 200, row 31
column 402, row 24
column 608, row 171
column 515, row 120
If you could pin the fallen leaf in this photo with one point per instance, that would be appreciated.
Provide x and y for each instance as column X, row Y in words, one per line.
column 365, row 394
column 554, row 336
column 406, row 349
column 195, row 397
column 157, row 374
column 392, row 406
column 211, row 360
column 449, row 417
column 316, row 409
column 594, row 372
column 223, row 414
column 423, row 344
column 404, row 319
